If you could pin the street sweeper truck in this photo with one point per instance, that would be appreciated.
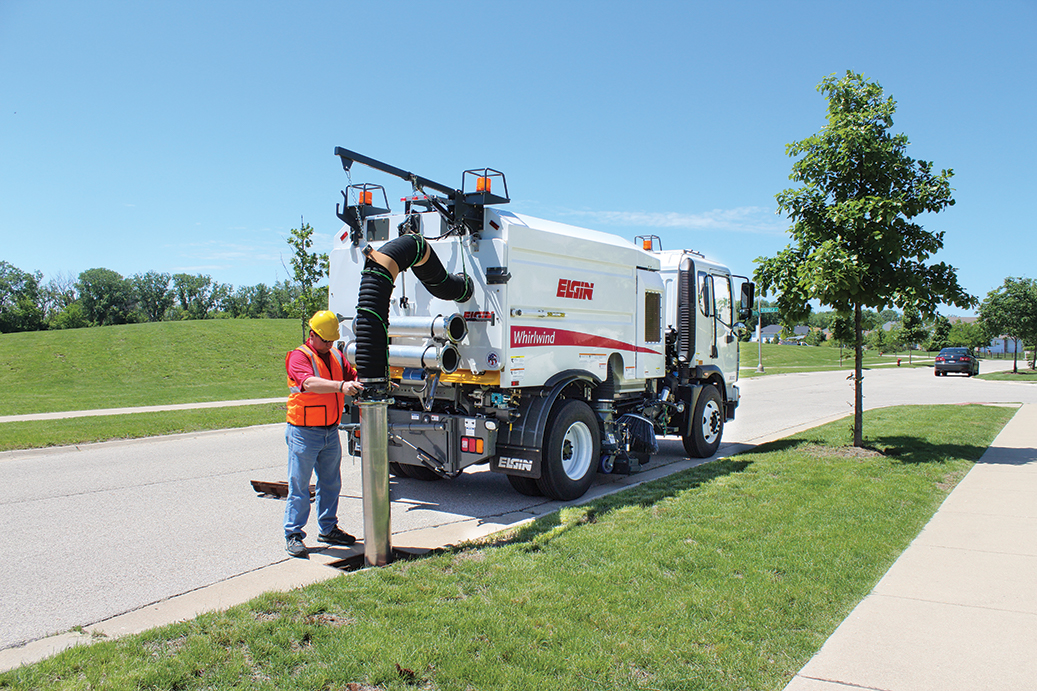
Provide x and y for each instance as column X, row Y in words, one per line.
column 547, row 351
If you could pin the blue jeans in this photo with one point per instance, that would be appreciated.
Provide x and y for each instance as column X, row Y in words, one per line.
column 309, row 449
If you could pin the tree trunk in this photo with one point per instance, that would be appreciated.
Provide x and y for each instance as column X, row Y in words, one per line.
column 1015, row 357
column 858, row 379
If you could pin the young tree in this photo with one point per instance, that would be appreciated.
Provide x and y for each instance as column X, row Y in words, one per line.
column 309, row 269
column 938, row 337
column 855, row 245
column 895, row 339
column 816, row 337
column 913, row 329
column 877, row 339
column 1011, row 310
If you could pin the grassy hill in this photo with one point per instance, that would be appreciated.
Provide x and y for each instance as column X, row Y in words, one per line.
column 145, row 364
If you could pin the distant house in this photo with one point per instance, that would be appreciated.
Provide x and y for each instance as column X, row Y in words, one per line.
column 772, row 333
column 1003, row 344
column 999, row 345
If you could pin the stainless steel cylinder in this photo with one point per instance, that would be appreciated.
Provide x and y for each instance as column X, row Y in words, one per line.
column 444, row 358
column 451, row 328
column 374, row 467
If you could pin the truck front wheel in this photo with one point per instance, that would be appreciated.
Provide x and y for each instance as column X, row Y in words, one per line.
column 707, row 425
column 571, row 451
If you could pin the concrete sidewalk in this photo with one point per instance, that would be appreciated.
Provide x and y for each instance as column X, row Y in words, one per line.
column 139, row 409
column 958, row 609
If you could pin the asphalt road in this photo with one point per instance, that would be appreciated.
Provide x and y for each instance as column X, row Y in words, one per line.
column 102, row 529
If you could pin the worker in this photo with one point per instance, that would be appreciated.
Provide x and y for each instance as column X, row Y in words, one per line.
column 319, row 379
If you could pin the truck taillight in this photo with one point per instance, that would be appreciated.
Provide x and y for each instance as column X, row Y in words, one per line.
column 471, row 444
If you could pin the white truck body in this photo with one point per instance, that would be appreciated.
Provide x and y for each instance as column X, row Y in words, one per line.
column 558, row 314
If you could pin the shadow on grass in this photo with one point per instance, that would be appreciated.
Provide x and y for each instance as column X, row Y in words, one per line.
column 912, row 450
column 900, row 448
column 537, row 534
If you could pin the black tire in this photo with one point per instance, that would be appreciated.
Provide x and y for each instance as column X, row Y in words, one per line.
column 572, row 448
column 707, row 425
column 525, row 485
column 396, row 470
column 936, row 372
column 420, row 472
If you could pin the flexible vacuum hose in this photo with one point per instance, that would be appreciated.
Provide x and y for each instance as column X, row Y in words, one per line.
column 376, row 286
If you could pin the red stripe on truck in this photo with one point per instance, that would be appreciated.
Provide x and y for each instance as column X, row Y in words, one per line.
column 532, row 336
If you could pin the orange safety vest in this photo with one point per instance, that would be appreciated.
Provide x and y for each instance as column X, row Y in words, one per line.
column 306, row 409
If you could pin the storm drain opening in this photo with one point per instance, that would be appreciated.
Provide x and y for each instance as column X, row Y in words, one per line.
column 357, row 562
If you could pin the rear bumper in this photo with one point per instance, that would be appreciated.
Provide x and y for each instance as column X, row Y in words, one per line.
column 960, row 367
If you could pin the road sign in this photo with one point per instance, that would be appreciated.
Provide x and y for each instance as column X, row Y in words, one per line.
column 768, row 310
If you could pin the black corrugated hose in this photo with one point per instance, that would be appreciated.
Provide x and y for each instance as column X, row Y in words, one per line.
column 372, row 311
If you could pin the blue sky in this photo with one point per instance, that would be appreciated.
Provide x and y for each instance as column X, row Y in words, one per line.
column 192, row 136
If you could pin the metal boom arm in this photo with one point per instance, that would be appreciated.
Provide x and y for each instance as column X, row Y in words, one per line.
column 349, row 157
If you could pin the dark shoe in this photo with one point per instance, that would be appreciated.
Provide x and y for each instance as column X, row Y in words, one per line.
column 295, row 547
column 337, row 537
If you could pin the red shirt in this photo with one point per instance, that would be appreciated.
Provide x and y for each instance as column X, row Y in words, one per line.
column 300, row 368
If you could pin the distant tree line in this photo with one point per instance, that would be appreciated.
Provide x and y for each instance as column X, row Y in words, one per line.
column 102, row 297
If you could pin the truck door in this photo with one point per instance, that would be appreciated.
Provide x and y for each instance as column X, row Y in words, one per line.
column 715, row 302
column 723, row 322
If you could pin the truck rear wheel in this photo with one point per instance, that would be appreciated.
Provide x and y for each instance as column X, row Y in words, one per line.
column 420, row 472
column 707, row 425
column 571, row 451
column 525, row 485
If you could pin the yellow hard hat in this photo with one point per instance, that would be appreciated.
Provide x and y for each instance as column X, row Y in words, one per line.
column 325, row 325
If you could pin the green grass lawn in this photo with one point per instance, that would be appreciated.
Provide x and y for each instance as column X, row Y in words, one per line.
column 786, row 359
column 1023, row 375
column 728, row 576
column 145, row 364
column 83, row 430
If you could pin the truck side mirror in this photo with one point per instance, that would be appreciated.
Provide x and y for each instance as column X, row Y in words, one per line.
column 707, row 296
column 745, row 306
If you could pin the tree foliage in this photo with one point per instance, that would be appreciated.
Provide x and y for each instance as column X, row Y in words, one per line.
column 940, row 334
column 20, row 299
column 855, row 244
column 198, row 296
column 1011, row 310
column 154, row 297
column 107, row 298
column 968, row 335
column 309, row 269
column 912, row 328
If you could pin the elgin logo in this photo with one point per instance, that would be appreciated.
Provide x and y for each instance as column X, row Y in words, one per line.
column 578, row 290
column 479, row 317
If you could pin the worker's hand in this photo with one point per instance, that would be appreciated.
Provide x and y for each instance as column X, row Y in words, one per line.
column 352, row 388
